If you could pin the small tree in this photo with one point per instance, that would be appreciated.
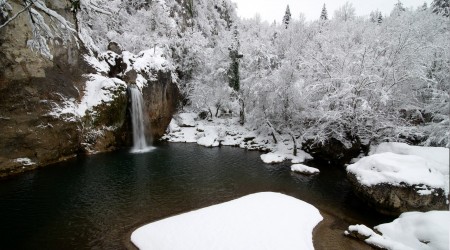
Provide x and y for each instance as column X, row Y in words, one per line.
column 324, row 13
column 380, row 18
column 398, row 9
column 345, row 13
column 287, row 17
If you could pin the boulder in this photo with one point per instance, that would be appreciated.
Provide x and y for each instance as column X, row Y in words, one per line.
column 393, row 183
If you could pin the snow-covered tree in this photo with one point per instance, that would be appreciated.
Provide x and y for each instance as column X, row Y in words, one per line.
column 287, row 17
column 345, row 13
column 398, row 9
column 441, row 7
column 324, row 13
column 47, row 26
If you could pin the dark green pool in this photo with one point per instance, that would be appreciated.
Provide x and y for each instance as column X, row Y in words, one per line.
column 95, row 202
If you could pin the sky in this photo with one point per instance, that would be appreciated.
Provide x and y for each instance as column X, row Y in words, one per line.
column 271, row 10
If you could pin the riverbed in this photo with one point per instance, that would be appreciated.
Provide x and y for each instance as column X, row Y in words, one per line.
column 96, row 201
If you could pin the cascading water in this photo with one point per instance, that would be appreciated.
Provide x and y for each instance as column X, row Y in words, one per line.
column 138, row 122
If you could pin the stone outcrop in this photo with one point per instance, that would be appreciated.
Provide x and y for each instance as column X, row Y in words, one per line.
column 29, row 87
column 394, row 200
column 161, row 99
column 334, row 151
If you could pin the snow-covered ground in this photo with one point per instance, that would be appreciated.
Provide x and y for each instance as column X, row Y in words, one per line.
column 186, row 127
column 411, row 231
column 304, row 169
column 399, row 163
column 258, row 221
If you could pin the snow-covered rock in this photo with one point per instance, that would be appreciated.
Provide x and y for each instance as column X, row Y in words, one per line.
column 412, row 230
column 186, row 119
column 273, row 158
column 187, row 127
column 300, row 168
column 250, row 222
column 437, row 155
column 395, row 183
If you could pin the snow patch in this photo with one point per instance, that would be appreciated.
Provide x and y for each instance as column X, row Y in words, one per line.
column 99, row 89
column 304, row 169
column 250, row 222
column 412, row 230
column 24, row 161
column 437, row 155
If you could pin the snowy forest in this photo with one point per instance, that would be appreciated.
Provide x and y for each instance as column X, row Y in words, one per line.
column 376, row 78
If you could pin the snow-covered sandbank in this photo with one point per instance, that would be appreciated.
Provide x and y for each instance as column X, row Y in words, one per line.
column 257, row 221
column 186, row 127
column 412, row 230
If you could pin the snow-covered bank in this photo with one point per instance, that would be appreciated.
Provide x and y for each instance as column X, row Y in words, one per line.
column 257, row 221
column 399, row 164
column 412, row 230
column 186, row 127
column 399, row 178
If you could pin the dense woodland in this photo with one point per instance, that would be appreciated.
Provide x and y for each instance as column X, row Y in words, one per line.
column 342, row 76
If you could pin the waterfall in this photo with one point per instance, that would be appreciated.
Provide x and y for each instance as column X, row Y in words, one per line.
column 139, row 122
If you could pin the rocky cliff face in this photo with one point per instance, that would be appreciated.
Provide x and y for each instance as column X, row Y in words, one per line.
column 29, row 85
column 161, row 99
column 32, row 87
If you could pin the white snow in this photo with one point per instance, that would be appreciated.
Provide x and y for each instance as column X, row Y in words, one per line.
column 187, row 127
column 258, row 221
column 100, row 65
column 273, row 158
column 25, row 161
column 304, row 169
column 98, row 90
column 396, row 169
column 411, row 231
column 186, row 119
column 437, row 155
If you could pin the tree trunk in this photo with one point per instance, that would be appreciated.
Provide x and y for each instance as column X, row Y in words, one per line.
column 242, row 112
column 295, row 143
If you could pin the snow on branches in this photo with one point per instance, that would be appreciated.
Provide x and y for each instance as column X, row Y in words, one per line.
column 47, row 26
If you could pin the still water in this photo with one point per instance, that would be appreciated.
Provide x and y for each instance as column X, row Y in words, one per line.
column 95, row 202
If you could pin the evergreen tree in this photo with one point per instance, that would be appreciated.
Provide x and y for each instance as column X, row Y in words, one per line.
column 287, row 17
column 374, row 16
column 441, row 7
column 233, row 71
column 380, row 18
column 324, row 13
column 398, row 9
column 424, row 6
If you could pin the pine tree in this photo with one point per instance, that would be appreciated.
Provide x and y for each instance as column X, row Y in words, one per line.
column 324, row 13
column 398, row 9
column 424, row 6
column 374, row 16
column 441, row 7
column 287, row 17
column 380, row 18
